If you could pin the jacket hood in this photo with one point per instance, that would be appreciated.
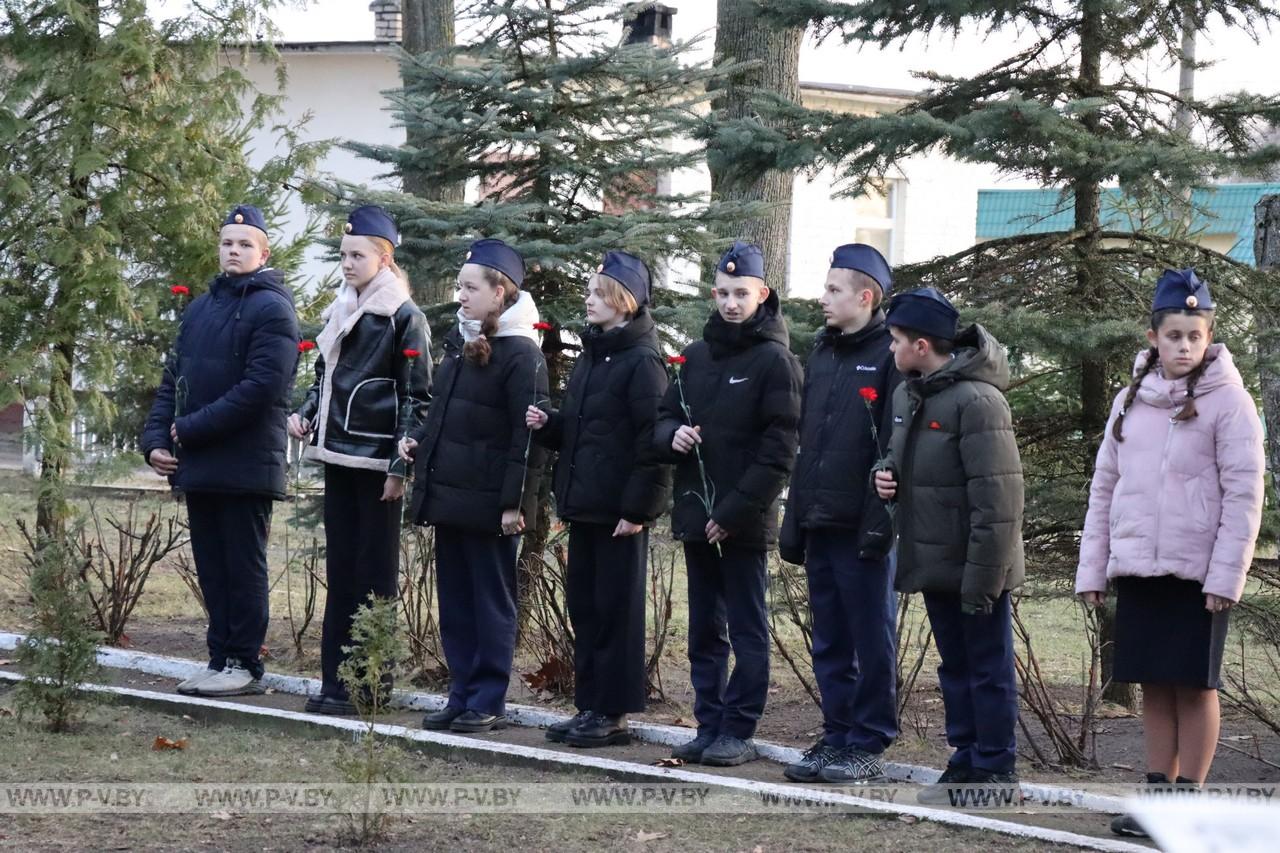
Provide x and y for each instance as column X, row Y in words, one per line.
column 1220, row 371
column 266, row 278
column 765, row 325
column 639, row 331
column 978, row 357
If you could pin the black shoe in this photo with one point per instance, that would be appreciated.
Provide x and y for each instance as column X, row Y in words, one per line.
column 600, row 730
column 474, row 722
column 691, row 751
column 729, row 751
column 940, row 793
column 441, row 720
column 853, row 765
column 811, row 763
column 1127, row 825
column 334, row 706
column 557, row 731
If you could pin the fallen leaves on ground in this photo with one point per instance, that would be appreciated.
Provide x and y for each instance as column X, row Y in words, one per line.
column 669, row 762
column 645, row 837
column 163, row 743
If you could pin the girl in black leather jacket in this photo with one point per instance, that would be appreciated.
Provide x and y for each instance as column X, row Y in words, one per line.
column 372, row 381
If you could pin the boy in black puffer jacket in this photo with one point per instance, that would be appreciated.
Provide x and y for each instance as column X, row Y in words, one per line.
column 731, row 413
column 839, row 528
column 221, row 409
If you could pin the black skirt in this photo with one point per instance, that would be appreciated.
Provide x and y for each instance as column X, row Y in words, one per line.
column 1164, row 635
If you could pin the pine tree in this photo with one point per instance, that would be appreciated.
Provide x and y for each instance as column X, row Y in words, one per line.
column 1075, row 110
column 570, row 132
column 121, row 145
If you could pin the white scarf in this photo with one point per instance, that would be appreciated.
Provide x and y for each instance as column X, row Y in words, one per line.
column 515, row 322
column 384, row 294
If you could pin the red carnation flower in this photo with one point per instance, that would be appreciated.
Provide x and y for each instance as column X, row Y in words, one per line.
column 868, row 394
column 412, row 353
column 543, row 327
column 676, row 359
column 304, row 346
column 934, row 425
column 180, row 290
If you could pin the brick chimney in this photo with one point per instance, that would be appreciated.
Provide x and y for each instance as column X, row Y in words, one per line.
column 649, row 24
column 386, row 20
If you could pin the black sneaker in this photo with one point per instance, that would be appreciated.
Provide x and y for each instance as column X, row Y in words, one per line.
column 600, row 730
column 557, row 731
column 940, row 793
column 853, row 765
column 811, row 763
column 691, row 751
column 441, row 720
column 334, row 706
column 729, row 751
column 474, row 722
column 1127, row 825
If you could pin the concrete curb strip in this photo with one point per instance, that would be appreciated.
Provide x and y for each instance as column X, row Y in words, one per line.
column 527, row 715
column 174, row 703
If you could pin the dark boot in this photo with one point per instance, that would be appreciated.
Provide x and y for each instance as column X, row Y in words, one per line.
column 557, row 731
column 691, row 751
column 474, row 722
column 600, row 730
column 441, row 720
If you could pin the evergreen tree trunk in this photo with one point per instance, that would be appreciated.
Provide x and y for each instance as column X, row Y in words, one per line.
column 1266, row 253
column 428, row 26
column 1093, row 372
column 741, row 36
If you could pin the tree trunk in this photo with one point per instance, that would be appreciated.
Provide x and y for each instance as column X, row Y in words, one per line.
column 1266, row 252
column 428, row 26
column 742, row 37
column 1090, row 286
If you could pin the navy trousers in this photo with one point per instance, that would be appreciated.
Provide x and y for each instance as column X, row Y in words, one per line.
column 229, row 544
column 727, row 611
column 362, row 556
column 979, row 688
column 476, row 592
column 854, row 657
column 605, row 595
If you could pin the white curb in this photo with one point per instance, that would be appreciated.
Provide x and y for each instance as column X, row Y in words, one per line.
column 528, row 715
column 547, row 756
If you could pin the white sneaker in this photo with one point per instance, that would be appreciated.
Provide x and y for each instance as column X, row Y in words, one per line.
column 189, row 686
column 235, row 680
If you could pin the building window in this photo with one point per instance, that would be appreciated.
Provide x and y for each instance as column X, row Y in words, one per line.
column 876, row 218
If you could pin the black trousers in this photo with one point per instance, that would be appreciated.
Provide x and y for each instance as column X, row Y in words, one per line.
column 476, row 593
column 229, row 543
column 605, row 595
column 727, row 611
column 362, row 556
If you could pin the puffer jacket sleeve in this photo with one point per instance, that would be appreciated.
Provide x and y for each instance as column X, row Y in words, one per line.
column 1095, row 541
column 525, row 382
column 155, row 432
column 268, row 372
column 993, row 475
column 764, row 478
column 1241, row 463
column 412, row 375
column 670, row 418
column 644, row 495
column 311, row 402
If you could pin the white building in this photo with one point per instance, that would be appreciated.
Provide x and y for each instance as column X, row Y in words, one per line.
column 929, row 209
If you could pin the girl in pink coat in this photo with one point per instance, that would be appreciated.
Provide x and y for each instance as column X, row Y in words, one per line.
column 1174, row 511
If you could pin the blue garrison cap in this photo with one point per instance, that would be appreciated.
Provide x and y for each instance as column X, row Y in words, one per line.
column 372, row 221
column 742, row 259
column 630, row 272
column 247, row 214
column 497, row 255
column 1181, row 289
column 925, row 311
column 865, row 259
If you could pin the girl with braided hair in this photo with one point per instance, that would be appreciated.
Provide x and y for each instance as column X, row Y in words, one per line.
column 1174, row 511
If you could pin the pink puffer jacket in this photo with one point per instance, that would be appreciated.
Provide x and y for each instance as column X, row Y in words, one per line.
column 1178, row 498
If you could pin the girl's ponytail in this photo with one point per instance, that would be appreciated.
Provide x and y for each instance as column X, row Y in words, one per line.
column 1188, row 410
column 1153, row 358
